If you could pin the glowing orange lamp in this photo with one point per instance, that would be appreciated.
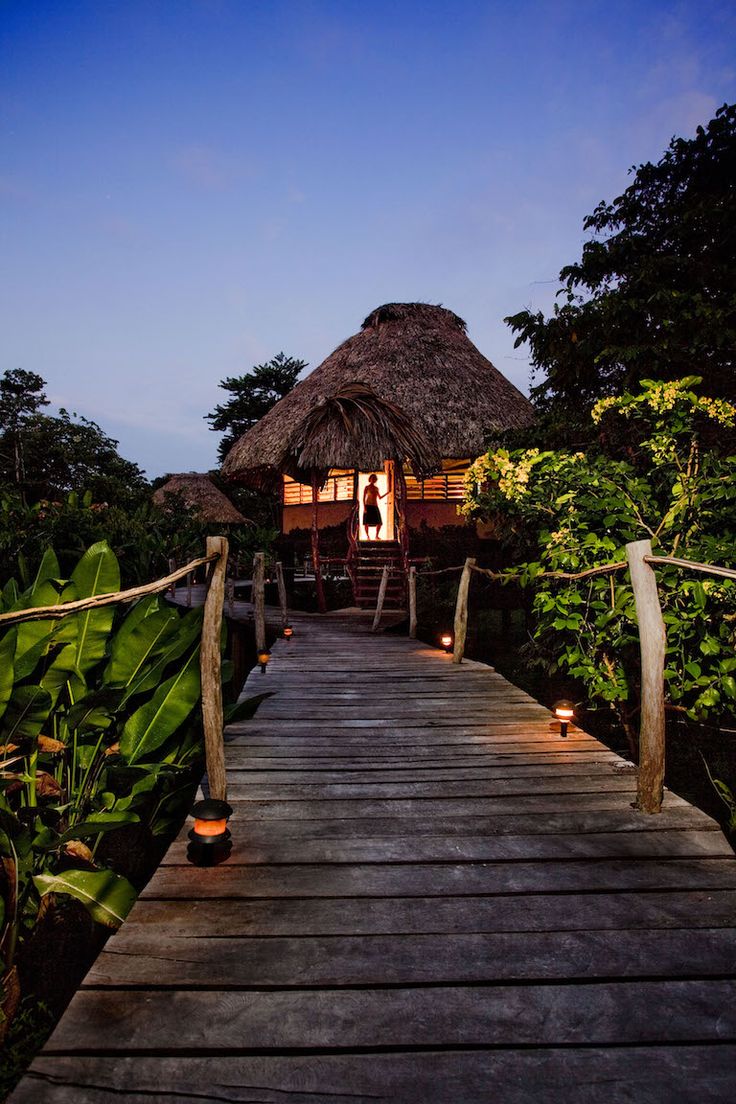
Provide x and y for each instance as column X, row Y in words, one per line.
column 209, row 838
column 564, row 712
column 446, row 641
column 263, row 657
column 288, row 632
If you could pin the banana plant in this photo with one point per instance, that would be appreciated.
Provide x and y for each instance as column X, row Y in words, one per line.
column 99, row 729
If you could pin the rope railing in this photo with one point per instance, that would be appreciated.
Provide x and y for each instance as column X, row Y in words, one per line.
column 693, row 565
column 440, row 571
column 505, row 576
column 97, row 601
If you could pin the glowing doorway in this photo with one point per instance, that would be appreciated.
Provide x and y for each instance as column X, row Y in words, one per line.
column 385, row 485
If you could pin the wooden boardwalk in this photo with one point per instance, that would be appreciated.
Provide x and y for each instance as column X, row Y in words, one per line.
column 431, row 897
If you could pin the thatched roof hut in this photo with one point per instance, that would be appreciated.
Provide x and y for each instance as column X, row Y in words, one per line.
column 415, row 356
column 197, row 491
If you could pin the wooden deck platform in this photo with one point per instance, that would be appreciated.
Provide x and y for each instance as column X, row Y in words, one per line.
column 431, row 897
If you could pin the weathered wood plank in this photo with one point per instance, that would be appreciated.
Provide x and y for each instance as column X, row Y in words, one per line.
column 469, row 787
column 401, row 915
column 440, row 879
column 245, row 773
column 583, row 821
column 645, row 1074
column 507, row 848
column 428, row 807
column 182, row 961
column 446, row 1016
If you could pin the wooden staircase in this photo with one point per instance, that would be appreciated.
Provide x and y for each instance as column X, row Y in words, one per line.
column 370, row 559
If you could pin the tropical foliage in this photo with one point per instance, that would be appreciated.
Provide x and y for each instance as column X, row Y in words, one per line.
column 99, row 730
column 650, row 476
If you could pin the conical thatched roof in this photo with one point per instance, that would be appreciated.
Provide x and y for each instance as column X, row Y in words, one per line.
column 414, row 356
column 197, row 491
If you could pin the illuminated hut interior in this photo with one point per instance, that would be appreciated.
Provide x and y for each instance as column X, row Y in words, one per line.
column 408, row 399
column 197, row 491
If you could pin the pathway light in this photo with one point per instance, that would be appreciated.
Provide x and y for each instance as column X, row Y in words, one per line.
column 288, row 632
column 210, row 839
column 446, row 641
column 263, row 657
column 564, row 712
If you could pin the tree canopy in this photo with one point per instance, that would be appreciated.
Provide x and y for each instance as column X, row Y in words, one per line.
column 252, row 395
column 654, row 293
column 46, row 457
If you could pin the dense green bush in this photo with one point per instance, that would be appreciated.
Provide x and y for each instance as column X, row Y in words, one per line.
column 569, row 511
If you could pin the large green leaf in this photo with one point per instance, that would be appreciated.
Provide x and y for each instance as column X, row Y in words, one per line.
column 93, row 711
column 7, row 672
column 95, row 824
column 26, row 713
column 151, row 725
column 8, row 595
column 108, row 897
column 131, row 650
column 97, row 572
column 61, row 671
column 47, row 569
column 141, row 609
column 28, row 660
column 187, row 631
column 35, row 636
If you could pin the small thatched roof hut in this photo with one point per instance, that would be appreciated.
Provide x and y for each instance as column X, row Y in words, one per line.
column 197, row 491
column 413, row 355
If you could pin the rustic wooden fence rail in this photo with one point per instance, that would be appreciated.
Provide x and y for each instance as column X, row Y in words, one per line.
column 209, row 655
column 652, row 641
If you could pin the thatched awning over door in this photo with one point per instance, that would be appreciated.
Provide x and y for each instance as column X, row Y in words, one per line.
column 355, row 429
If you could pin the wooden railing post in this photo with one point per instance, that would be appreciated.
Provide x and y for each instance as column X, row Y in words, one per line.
column 461, row 611
column 412, row 602
column 282, row 594
column 652, row 640
column 381, row 598
column 210, row 670
column 259, row 599
column 318, row 584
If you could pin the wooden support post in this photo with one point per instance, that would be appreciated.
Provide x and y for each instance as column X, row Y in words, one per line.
column 652, row 640
column 412, row 602
column 172, row 569
column 317, row 566
column 400, row 498
column 210, row 670
column 282, row 594
column 189, row 590
column 231, row 596
column 461, row 611
column 381, row 598
column 259, row 600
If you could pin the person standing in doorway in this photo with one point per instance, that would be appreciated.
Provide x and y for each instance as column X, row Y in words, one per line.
column 371, row 513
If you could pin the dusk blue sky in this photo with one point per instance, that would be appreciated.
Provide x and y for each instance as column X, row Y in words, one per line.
column 188, row 187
